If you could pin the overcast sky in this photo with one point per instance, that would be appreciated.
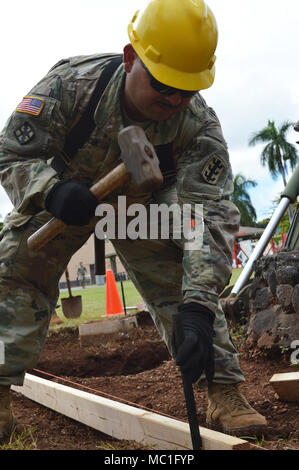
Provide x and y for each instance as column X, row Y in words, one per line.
column 257, row 67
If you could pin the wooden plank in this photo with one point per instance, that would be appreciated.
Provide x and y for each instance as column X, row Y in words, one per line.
column 90, row 334
column 122, row 421
column 286, row 386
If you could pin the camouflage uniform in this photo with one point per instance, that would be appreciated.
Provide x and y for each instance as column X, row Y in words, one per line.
column 164, row 273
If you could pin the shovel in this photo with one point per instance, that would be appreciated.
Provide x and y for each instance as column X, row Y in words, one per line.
column 71, row 306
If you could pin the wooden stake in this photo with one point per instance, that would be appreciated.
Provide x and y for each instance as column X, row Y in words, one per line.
column 286, row 386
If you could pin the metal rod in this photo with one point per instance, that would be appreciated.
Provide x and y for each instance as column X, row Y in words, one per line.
column 123, row 295
column 261, row 245
column 189, row 393
column 191, row 412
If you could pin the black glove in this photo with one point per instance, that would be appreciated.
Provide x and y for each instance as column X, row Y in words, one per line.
column 72, row 202
column 192, row 340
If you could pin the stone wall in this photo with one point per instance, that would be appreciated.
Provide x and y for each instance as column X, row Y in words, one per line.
column 273, row 321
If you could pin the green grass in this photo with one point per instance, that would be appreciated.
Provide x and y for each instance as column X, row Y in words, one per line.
column 235, row 274
column 94, row 303
column 22, row 441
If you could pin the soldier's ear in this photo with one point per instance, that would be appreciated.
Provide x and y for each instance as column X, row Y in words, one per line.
column 129, row 57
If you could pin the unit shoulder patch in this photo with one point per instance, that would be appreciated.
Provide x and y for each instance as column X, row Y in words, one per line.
column 213, row 170
column 24, row 134
column 31, row 105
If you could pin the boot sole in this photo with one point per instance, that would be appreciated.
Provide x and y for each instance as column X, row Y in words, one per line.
column 252, row 431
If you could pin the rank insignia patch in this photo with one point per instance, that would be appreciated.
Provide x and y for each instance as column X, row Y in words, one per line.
column 213, row 170
column 31, row 105
column 24, row 133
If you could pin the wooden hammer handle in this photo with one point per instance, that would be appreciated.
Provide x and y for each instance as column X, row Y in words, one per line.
column 100, row 189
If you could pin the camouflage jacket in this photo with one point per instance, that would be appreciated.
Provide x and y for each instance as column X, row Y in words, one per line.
column 32, row 138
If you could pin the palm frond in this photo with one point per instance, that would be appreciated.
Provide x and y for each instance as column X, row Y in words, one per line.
column 278, row 153
column 241, row 198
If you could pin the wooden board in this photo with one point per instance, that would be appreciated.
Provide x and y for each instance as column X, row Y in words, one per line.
column 122, row 421
column 90, row 334
column 286, row 386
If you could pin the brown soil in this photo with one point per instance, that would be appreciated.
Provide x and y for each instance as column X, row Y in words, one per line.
column 135, row 366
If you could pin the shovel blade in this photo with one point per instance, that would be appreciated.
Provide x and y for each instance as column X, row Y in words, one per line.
column 72, row 306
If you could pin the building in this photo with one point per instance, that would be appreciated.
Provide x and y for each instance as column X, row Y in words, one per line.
column 86, row 254
column 246, row 241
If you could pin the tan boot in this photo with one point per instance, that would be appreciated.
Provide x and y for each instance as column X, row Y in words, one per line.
column 7, row 419
column 229, row 412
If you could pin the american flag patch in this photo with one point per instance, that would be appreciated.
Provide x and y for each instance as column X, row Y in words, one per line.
column 31, row 105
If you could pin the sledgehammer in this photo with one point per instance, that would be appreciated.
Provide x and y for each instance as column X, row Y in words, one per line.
column 140, row 163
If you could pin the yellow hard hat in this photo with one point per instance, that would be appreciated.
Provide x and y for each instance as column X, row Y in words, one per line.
column 176, row 40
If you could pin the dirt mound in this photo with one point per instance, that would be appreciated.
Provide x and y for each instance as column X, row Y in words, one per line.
column 120, row 353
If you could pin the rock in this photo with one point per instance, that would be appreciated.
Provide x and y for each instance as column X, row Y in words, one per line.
column 272, row 281
column 271, row 328
column 260, row 323
column 273, row 321
column 295, row 298
column 266, row 341
column 263, row 298
column 284, row 294
column 255, row 285
column 287, row 275
column 287, row 327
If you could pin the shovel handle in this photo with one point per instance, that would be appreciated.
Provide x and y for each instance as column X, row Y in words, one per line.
column 67, row 276
column 100, row 189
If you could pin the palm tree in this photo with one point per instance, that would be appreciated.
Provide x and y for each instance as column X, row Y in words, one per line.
column 278, row 152
column 241, row 199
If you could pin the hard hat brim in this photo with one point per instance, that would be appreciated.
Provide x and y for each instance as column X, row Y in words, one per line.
column 176, row 78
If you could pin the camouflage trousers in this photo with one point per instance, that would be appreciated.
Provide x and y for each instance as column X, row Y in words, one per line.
column 29, row 292
column 156, row 268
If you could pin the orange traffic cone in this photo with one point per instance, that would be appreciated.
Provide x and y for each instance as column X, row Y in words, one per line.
column 113, row 302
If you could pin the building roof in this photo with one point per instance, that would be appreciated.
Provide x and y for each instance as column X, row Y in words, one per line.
column 249, row 232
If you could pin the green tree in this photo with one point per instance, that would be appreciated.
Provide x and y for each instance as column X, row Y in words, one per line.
column 241, row 199
column 278, row 153
column 284, row 224
column 262, row 223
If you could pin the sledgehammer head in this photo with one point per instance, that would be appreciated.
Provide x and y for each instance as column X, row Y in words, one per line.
column 140, row 159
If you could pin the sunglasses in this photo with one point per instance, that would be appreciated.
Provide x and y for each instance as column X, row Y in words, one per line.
column 165, row 89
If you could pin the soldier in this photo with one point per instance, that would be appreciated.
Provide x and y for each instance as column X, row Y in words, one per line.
column 169, row 58
column 81, row 274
